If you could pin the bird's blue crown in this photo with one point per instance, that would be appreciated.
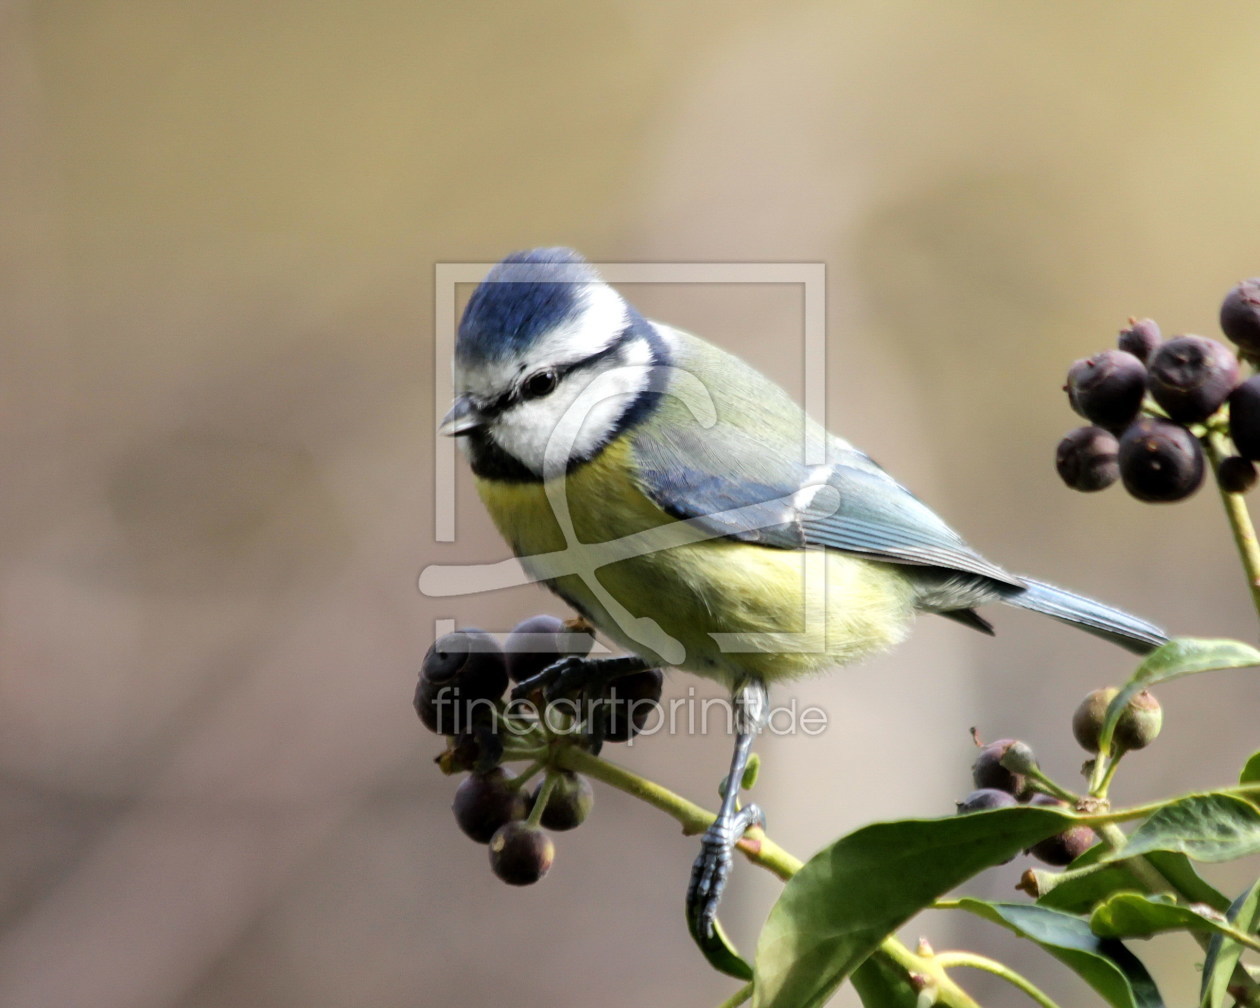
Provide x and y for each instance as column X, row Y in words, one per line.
column 523, row 296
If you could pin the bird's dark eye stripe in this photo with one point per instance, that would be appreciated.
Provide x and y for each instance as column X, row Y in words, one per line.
column 559, row 371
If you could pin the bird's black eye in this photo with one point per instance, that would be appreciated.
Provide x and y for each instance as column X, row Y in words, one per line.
column 539, row 384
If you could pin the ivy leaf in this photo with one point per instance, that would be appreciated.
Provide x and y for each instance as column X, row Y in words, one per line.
column 851, row 895
column 1223, row 953
column 1079, row 890
column 1103, row 963
column 1251, row 770
column 1137, row 915
column 1204, row 827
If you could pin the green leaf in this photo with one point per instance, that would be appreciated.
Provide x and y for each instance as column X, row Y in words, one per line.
column 838, row 908
column 1137, row 915
column 1251, row 770
column 1223, row 953
column 1103, row 963
column 1205, row 827
column 880, row 983
column 1181, row 657
column 1079, row 890
column 1191, row 886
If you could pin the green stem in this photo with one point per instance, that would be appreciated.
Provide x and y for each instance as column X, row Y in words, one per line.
column 1099, row 789
column 1239, row 521
column 540, row 803
column 928, row 970
column 758, row 847
column 1046, row 785
column 760, row 850
column 523, row 778
column 739, row 997
column 948, row 960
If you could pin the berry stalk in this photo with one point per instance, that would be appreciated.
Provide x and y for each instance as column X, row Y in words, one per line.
column 1239, row 521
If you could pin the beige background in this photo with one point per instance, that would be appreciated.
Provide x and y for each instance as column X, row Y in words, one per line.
column 220, row 225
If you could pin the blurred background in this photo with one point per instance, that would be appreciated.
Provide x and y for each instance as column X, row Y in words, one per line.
column 221, row 223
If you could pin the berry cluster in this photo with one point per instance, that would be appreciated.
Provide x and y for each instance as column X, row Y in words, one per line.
column 460, row 694
column 1006, row 772
column 1153, row 403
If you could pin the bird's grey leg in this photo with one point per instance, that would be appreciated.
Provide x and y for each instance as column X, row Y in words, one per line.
column 571, row 674
column 710, row 871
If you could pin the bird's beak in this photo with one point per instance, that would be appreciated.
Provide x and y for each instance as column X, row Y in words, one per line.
column 463, row 417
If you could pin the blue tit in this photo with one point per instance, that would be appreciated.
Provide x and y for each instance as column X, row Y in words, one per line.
column 686, row 506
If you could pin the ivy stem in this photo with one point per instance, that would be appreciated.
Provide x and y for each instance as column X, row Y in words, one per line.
column 739, row 997
column 1145, row 872
column 1239, row 519
column 544, row 796
column 1112, row 764
column 758, row 847
column 760, row 850
column 524, row 777
column 948, row 960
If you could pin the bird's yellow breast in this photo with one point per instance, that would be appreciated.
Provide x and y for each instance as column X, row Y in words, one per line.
column 718, row 607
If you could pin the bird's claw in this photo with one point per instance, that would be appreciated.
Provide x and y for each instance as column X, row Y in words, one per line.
column 560, row 678
column 712, row 868
column 708, row 879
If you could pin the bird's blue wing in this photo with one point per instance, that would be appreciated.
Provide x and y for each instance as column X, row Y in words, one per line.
column 741, row 474
column 865, row 512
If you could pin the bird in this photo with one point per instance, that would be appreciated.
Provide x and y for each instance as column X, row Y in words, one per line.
column 687, row 507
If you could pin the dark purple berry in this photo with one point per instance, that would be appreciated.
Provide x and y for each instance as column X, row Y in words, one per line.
column 631, row 699
column 1236, row 474
column 1107, row 389
column 1240, row 317
column 1191, row 376
column 1160, row 461
column 486, row 801
column 1086, row 459
column 462, row 676
column 987, row 771
column 541, row 641
column 1140, row 338
column 569, row 803
column 1062, row 848
column 1244, row 418
column 985, row 798
column 521, row 854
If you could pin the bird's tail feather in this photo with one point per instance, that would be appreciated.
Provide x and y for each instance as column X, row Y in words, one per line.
column 1111, row 624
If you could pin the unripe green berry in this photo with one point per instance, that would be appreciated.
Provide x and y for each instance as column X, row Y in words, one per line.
column 1140, row 723
column 1088, row 719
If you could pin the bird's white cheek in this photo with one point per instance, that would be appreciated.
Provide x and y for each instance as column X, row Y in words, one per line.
column 572, row 423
